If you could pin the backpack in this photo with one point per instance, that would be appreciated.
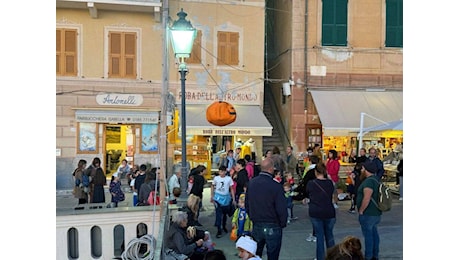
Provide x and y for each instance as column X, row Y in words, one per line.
column 85, row 180
column 384, row 197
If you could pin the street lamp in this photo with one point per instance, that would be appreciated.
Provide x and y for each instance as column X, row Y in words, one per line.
column 182, row 37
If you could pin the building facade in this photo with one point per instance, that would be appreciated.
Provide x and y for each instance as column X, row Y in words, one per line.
column 116, row 76
column 325, row 46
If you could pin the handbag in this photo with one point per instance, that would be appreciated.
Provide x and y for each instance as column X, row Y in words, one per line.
column 233, row 235
column 223, row 200
column 151, row 200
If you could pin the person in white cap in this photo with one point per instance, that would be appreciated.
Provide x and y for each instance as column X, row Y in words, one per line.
column 247, row 248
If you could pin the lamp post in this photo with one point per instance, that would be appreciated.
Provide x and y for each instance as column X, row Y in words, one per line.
column 182, row 37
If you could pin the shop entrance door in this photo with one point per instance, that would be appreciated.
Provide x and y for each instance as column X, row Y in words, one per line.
column 119, row 145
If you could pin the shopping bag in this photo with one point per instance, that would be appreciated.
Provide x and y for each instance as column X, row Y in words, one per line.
column 233, row 235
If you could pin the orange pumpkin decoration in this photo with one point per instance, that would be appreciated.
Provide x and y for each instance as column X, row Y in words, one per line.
column 221, row 113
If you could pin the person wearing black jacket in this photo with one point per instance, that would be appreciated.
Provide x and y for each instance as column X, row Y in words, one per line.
column 266, row 206
column 241, row 178
column 198, row 185
column 178, row 243
column 362, row 156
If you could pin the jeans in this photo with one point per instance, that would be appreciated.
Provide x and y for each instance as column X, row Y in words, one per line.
column 269, row 234
column 323, row 229
column 221, row 216
column 371, row 235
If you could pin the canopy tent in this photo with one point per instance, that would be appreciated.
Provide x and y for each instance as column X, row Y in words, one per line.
column 394, row 125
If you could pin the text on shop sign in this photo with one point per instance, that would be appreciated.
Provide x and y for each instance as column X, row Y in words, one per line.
column 226, row 132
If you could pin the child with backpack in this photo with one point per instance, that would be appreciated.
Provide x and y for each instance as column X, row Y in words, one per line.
column 241, row 221
column 288, row 193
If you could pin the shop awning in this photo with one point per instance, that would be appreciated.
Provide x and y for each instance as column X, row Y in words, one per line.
column 340, row 111
column 250, row 121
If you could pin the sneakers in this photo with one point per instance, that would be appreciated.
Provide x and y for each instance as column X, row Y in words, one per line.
column 288, row 221
column 219, row 234
column 336, row 206
column 294, row 218
column 351, row 211
column 311, row 238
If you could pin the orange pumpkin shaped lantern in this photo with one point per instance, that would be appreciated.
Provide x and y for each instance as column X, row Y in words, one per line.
column 221, row 113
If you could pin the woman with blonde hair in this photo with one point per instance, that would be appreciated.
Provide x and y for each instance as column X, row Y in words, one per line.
column 191, row 209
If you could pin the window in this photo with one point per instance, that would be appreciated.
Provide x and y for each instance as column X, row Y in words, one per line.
column 122, row 55
column 334, row 31
column 66, row 52
column 118, row 240
column 195, row 56
column 394, row 23
column 72, row 243
column 96, row 242
column 227, row 49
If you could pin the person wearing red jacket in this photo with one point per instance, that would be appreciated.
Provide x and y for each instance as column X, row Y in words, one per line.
column 332, row 168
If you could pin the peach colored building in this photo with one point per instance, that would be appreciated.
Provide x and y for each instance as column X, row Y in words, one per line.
column 117, row 81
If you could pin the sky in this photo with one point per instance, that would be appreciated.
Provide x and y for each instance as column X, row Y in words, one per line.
column 430, row 133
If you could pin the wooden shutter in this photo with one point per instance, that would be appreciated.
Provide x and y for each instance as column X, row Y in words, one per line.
column 66, row 52
column 195, row 56
column 122, row 55
column 130, row 55
column 394, row 23
column 334, row 22
column 233, row 48
column 114, row 54
column 58, row 52
column 228, row 48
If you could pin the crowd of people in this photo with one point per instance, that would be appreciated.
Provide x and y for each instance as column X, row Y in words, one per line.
column 258, row 202
column 90, row 182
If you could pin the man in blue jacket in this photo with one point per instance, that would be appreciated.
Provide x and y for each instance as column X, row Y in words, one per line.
column 266, row 206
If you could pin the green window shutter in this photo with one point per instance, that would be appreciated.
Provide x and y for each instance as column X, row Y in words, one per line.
column 334, row 22
column 394, row 23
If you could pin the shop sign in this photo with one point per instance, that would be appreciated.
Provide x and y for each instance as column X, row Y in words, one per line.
column 116, row 117
column 236, row 97
column 114, row 99
column 229, row 131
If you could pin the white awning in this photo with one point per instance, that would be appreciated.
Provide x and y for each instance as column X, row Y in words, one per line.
column 250, row 121
column 340, row 111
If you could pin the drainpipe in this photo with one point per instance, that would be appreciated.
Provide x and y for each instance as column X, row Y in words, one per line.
column 305, row 57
